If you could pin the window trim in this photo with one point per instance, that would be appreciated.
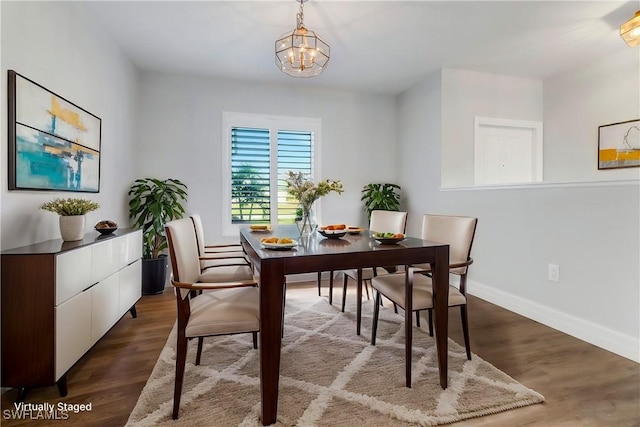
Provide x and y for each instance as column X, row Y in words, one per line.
column 273, row 123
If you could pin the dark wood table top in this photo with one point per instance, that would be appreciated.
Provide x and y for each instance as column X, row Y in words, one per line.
column 350, row 251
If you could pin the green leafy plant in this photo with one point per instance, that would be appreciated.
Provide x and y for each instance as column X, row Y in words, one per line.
column 380, row 197
column 70, row 206
column 153, row 203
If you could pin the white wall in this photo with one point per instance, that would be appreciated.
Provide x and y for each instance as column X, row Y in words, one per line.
column 57, row 46
column 590, row 230
column 181, row 135
column 576, row 104
column 467, row 94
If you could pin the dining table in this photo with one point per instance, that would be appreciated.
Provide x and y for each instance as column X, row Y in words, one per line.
column 315, row 253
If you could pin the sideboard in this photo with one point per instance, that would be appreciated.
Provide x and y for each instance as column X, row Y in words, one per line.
column 59, row 298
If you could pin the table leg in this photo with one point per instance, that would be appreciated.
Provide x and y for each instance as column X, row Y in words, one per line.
column 271, row 297
column 408, row 323
column 441, row 307
column 359, row 302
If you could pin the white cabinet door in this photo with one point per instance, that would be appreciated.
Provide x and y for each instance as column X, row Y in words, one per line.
column 105, row 298
column 131, row 249
column 105, row 258
column 73, row 331
column 130, row 286
column 73, row 273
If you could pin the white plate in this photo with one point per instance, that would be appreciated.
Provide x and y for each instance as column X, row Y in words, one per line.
column 280, row 246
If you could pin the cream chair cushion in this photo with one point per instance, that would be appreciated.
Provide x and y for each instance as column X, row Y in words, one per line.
column 224, row 311
column 455, row 231
column 222, row 251
column 383, row 222
column 229, row 273
column 187, row 263
column 393, row 287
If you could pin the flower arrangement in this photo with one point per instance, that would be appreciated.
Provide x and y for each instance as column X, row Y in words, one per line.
column 70, row 206
column 306, row 192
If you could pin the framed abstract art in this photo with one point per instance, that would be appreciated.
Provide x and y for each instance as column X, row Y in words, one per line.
column 619, row 145
column 53, row 143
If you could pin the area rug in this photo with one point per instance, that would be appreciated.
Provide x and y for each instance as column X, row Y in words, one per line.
column 329, row 376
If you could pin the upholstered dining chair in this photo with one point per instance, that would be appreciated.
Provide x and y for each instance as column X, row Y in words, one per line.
column 230, row 307
column 216, row 255
column 381, row 221
column 458, row 232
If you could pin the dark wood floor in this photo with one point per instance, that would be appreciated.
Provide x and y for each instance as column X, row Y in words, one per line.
column 583, row 384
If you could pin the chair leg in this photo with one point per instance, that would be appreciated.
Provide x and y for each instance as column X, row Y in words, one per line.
column 319, row 280
column 366, row 288
column 255, row 340
column 344, row 291
column 376, row 311
column 395, row 308
column 408, row 346
column 199, row 352
column 430, row 322
column 330, row 287
column 418, row 319
column 465, row 329
column 181, row 358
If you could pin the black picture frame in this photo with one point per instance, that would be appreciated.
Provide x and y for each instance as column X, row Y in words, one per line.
column 54, row 144
column 619, row 145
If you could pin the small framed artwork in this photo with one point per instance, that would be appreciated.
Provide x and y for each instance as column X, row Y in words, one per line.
column 619, row 145
column 53, row 143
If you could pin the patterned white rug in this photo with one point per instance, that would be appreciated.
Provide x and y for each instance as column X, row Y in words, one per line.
column 329, row 376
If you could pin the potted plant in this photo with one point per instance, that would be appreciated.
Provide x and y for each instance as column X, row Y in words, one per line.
column 72, row 215
column 380, row 197
column 153, row 203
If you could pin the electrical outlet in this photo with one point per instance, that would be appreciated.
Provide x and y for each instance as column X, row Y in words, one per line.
column 553, row 272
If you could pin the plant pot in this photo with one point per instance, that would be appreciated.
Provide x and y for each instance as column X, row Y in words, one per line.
column 72, row 227
column 154, row 275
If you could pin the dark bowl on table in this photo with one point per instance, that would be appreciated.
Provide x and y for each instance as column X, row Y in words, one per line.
column 388, row 240
column 105, row 231
column 333, row 234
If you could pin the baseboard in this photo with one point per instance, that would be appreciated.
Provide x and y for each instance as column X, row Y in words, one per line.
column 608, row 339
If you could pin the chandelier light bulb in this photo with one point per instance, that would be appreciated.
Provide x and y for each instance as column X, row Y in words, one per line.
column 301, row 52
column 630, row 30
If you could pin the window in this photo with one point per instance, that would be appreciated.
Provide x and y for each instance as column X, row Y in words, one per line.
column 260, row 151
column 507, row 151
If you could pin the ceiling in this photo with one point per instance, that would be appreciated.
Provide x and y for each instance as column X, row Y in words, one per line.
column 379, row 47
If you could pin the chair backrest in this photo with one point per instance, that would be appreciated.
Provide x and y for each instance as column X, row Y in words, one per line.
column 457, row 231
column 183, row 250
column 388, row 221
column 197, row 225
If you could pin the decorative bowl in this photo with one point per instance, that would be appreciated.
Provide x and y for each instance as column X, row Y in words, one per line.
column 333, row 234
column 387, row 239
column 105, row 231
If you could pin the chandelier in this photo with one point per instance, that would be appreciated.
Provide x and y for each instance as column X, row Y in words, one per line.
column 630, row 30
column 301, row 53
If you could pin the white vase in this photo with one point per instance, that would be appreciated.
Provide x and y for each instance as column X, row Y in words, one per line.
column 72, row 227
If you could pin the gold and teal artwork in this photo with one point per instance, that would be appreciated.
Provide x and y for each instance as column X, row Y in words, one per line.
column 53, row 143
